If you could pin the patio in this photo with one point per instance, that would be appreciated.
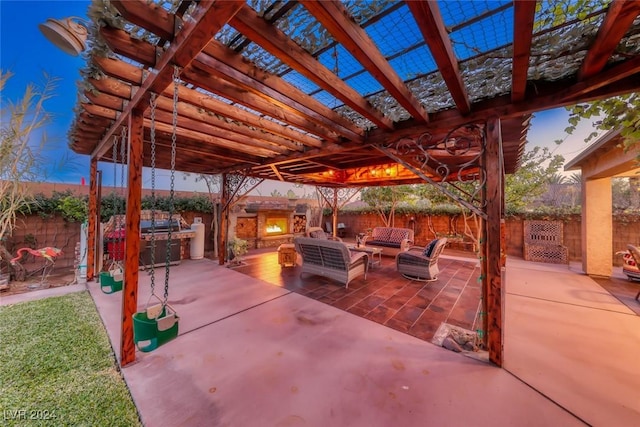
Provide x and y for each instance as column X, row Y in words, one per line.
column 385, row 297
column 242, row 91
column 251, row 353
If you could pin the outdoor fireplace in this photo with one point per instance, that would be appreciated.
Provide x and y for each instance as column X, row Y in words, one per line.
column 276, row 225
column 270, row 223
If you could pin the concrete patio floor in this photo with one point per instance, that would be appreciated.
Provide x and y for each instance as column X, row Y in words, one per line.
column 253, row 354
column 573, row 341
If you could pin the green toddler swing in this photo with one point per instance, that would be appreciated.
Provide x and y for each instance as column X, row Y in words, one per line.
column 157, row 324
column 111, row 280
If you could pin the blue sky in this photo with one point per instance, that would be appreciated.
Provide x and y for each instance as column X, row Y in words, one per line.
column 26, row 53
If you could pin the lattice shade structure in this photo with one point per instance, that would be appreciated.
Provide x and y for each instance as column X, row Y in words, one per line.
column 305, row 91
column 543, row 242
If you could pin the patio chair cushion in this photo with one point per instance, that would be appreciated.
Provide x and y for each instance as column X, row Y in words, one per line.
column 429, row 248
column 318, row 234
column 382, row 243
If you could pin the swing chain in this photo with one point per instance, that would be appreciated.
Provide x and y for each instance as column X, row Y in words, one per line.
column 152, row 104
column 122, row 206
column 123, row 155
column 116, row 206
column 174, row 123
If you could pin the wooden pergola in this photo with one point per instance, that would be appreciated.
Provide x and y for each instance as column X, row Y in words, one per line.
column 342, row 95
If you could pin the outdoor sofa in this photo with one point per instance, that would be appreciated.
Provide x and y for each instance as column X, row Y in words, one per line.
column 392, row 240
column 332, row 259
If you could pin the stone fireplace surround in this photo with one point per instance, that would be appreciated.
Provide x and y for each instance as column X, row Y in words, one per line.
column 250, row 223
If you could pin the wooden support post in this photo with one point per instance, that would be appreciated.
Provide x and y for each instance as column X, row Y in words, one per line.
column 132, row 238
column 94, row 221
column 492, row 276
column 224, row 221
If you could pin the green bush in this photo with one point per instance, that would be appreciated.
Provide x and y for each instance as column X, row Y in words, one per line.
column 72, row 208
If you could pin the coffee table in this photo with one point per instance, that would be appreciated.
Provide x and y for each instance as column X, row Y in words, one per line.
column 372, row 251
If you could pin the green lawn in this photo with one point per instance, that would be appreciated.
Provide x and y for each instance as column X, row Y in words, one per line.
column 57, row 367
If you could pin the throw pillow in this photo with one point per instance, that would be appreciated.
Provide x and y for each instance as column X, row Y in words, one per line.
column 429, row 248
column 319, row 234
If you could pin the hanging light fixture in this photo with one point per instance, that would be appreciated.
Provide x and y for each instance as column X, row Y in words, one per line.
column 66, row 34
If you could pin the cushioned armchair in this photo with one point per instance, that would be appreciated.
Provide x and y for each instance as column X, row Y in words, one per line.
column 632, row 266
column 420, row 263
column 319, row 233
column 331, row 259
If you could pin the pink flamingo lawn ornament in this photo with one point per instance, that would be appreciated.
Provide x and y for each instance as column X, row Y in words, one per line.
column 48, row 253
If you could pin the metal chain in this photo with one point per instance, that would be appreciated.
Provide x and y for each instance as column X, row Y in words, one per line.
column 123, row 155
column 174, row 122
column 152, row 273
column 123, row 141
column 116, row 203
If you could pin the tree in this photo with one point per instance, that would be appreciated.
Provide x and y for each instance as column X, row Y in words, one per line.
column 618, row 112
column 385, row 200
column 531, row 179
column 20, row 155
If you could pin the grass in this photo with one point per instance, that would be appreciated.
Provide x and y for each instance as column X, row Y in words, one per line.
column 57, row 367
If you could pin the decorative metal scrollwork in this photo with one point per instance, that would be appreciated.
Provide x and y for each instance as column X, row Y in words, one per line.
column 337, row 196
column 238, row 185
column 454, row 159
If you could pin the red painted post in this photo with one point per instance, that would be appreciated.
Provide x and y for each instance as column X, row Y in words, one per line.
column 132, row 238
column 92, row 231
column 492, row 277
column 224, row 221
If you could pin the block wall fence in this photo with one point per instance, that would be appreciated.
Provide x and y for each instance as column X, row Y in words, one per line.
column 426, row 227
column 38, row 232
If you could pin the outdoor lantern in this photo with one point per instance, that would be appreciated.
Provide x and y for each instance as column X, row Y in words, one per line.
column 68, row 35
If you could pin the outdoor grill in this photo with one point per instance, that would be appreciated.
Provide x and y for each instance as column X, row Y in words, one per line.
column 114, row 236
column 161, row 226
column 161, row 233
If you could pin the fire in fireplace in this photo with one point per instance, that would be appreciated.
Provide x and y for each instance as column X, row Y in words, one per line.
column 276, row 225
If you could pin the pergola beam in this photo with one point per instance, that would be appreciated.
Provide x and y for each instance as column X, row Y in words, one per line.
column 427, row 15
column 549, row 95
column 619, row 18
column 208, row 19
column 524, row 15
column 232, row 64
column 280, row 45
column 336, row 19
column 194, row 103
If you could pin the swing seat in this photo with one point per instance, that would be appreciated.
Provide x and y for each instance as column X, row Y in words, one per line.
column 150, row 333
column 109, row 283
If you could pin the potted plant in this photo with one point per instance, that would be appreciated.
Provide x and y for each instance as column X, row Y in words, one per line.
column 237, row 249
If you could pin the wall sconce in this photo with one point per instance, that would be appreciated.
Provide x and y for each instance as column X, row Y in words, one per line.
column 66, row 34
